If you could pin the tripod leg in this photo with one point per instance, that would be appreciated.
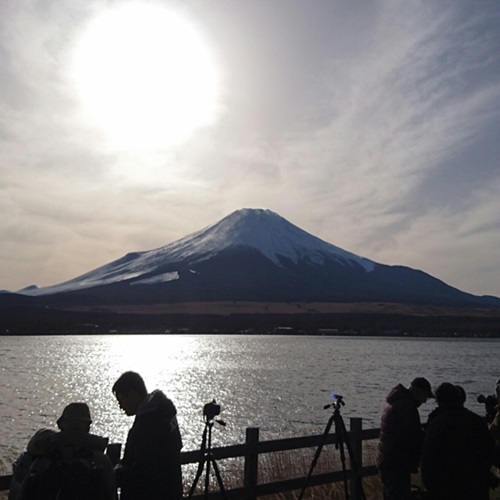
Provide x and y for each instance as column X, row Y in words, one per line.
column 340, row 444
column 197, row 477
column 344, row 438
column 219, row 478
column 317, row 454
column 201, row 463
column 207, row 476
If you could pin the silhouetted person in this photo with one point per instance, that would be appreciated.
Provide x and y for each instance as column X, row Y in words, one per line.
column 47, row 468
column 495, row 422
column 401, row 438
column 462, row 397
column 494, row 426
column 150, row 468
column 458, row 450
column 461, row 394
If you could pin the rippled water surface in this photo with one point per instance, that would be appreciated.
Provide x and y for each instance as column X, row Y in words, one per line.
column 277, row 383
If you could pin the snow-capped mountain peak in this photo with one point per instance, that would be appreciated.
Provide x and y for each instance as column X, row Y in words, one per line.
column 268, row 233
column 261, row 230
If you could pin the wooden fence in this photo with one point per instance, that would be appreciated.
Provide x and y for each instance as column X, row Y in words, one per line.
column 253, row 448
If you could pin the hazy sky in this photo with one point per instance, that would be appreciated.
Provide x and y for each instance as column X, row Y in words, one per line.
column 374, row 125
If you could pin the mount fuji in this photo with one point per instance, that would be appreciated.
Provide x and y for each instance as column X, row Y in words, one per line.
column 254, row 255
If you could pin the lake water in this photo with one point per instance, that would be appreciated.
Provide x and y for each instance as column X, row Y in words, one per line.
column 277, row 383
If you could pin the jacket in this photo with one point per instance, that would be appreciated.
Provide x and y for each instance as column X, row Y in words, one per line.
column 47, row 444
column 457, row 456
column 151, row 468
column 401, row 433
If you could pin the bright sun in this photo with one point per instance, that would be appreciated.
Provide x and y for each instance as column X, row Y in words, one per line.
column 145, row 76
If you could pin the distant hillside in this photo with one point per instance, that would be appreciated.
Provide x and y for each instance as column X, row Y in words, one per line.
column 32, row 315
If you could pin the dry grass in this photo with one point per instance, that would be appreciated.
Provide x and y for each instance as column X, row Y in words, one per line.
column 296, row 463
column 286, row 465
column 293, row 464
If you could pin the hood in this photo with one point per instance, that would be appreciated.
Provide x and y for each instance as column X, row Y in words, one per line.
column 397, row 393
column 46, row 440
column 40, row 442
column 90, row 442
column 157, row 402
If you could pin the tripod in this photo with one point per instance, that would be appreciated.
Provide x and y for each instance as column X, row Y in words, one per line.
column 341, row 438
column 207, row 459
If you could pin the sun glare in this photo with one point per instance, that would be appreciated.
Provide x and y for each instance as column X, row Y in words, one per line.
column 146, row 76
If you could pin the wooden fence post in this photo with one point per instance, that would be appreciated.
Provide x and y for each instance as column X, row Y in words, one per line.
column 356, row 425
column 251, row 462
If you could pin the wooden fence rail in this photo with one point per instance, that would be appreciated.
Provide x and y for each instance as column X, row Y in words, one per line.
column 253, row 448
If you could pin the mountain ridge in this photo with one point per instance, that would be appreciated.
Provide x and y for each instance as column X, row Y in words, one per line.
column 255, row 255
column 243, row 228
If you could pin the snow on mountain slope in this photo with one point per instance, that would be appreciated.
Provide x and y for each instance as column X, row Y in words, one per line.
column 261, row 230
column 264, row 231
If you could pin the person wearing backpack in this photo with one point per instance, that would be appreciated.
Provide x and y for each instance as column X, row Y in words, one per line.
column 67, row 465
column 458, row 451
column 151, row 466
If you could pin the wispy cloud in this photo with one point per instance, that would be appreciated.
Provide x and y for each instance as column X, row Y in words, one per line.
column 372, row 126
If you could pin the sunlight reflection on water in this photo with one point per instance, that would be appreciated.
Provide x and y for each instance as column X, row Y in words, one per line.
column 277, row 383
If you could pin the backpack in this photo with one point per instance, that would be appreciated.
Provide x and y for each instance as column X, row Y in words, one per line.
column 69, row 474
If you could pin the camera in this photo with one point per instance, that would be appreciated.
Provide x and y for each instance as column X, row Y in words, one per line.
column 211, row 410
column 338, row 401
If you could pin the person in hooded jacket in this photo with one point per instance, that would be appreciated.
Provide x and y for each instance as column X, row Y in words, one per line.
column 401, row 438
column 150, row 468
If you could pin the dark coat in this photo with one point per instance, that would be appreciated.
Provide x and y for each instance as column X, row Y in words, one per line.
column 401, row 434
column 150, row 468
column 47, row 445
column 457, row 456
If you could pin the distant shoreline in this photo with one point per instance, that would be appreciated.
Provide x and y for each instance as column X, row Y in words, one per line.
column 226, row 308
column 233, row 317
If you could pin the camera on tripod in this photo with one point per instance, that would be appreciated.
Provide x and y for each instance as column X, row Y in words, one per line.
column 211, row 410
column 341, row 440
column 338, row 401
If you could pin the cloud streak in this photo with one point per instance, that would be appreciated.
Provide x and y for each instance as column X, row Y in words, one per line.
column 371, row 126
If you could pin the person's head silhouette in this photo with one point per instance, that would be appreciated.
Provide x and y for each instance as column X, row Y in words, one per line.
column 75, row 417
column 130, row 391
